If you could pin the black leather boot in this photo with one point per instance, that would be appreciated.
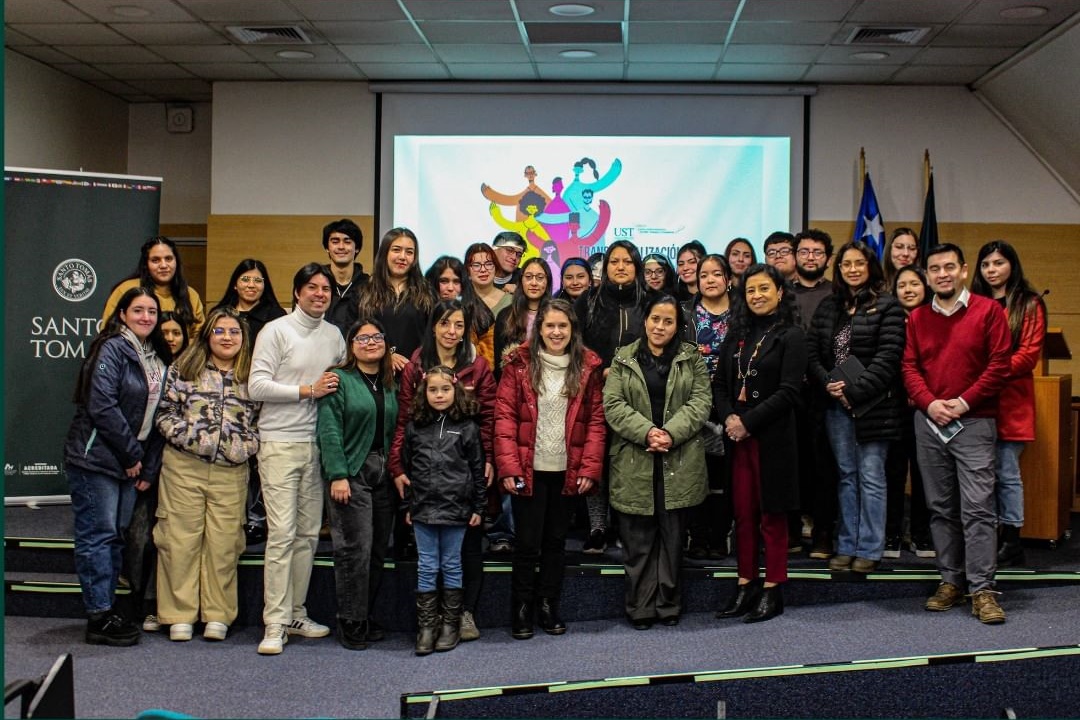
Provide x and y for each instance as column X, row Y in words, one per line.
column 1010, row 551
column 522, row 620
column 352, row 634
column 547, row 617
column 450, row 634
column 745, row 597
column 769, row 605
column 427, row 622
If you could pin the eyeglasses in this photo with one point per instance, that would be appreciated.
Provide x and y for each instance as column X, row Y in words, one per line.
column 251, row 279
column 853, row 264
column 807, row 252
column 654, row 272
column 511, row 250
column 534, row 277
column 366, row 339
column 233, row 332
column 482, row 265
column 778, row 252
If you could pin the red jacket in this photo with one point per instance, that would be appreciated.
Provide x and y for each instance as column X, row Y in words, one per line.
column 515, row 424
column 475, row 377
column 1016, row 407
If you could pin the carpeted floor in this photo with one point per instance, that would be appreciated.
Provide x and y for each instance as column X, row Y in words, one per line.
column 318, row 678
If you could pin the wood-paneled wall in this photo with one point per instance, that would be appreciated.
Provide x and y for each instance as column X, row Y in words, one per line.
column 284, row 242
column 1051, row 258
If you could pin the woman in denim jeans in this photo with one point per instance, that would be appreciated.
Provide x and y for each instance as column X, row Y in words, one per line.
column 356, row 428
column 857, row 333
column 111, row 449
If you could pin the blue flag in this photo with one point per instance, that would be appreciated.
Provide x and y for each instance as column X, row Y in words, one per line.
column 869, row 227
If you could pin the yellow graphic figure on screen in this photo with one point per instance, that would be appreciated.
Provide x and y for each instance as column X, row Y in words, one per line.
column 528, row 228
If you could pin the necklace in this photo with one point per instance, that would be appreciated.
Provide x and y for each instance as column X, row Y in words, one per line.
column 743, row 375
column 373, row 383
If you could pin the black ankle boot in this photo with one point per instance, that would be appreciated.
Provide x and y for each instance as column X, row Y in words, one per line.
column 1010, row 551
column 547, row 617
column 745, row 597
column 522, row 620
column 769, row 605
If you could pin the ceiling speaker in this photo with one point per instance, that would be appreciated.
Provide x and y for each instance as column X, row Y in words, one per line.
column 179, row 119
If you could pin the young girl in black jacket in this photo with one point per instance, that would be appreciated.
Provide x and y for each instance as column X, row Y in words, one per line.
column 444, row 461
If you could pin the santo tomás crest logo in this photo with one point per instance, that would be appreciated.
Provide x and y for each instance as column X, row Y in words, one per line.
column 74, row 280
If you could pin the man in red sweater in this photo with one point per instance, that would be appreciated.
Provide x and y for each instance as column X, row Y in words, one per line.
column 955, row 364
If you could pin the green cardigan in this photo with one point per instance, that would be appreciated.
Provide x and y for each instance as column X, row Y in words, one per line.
column 347, row 425
column 688, row 402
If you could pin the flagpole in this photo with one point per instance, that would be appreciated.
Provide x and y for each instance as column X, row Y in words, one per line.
column 862, row 169
column 927, row 169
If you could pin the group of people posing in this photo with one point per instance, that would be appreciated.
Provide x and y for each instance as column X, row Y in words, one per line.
column 687, row 403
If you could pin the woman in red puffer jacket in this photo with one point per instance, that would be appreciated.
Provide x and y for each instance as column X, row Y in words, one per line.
column 549, row 447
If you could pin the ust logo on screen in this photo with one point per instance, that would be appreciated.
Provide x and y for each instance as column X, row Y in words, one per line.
column 74, row 280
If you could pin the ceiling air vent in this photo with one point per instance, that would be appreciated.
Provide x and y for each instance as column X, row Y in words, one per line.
column 886, row 35
column 269, row 35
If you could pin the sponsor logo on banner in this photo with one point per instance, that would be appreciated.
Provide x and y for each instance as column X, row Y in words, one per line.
column 74, row 280
column 40, row 468
column 9, row 469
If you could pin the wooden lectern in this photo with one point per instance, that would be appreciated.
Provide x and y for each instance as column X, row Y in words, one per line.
column 1048, row 464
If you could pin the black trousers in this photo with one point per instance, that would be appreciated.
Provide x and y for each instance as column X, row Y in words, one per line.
column 901, row 457
column 472, row 566
column 818, row 477
column 140, row 555
column 360, row 530
column 710, row 522
column 653, row 550
column 541, row 522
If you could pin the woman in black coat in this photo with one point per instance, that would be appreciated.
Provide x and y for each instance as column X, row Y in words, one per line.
column 756, row 389
column 856, row 342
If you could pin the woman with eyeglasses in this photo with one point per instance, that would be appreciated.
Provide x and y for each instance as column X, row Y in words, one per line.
column 902, row 250
column 209, row 423
column 659, row 275
column 446, row 343
column 449, row 281
column 252, row 294
column 855, row 345
column 355, row 433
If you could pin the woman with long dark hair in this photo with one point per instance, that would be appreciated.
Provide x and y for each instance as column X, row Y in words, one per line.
column 446, row 343
column 911, row 290
column 901, row 250
column 450, row 281
column 398, row 295
column 656, row 401
column 659, row 275
column 1001, row 277
column 757, row 386
column 686, row 264
column 855, row 345
column 740, row 255
column 355, row 432
column 549, row 437
column 707, row 319
column 252, row 294
column 161, row 271
column 210, row 427
column 112, row 451
column 611, row 316
column 514, row 325
column 576, row 279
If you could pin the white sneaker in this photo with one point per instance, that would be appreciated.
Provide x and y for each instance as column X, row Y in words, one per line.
column 151, row 623
column 274, row 639
column 180, row 632
column 306, row 627
column 215, row 631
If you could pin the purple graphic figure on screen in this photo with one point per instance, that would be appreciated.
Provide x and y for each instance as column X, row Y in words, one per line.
column 574, row 194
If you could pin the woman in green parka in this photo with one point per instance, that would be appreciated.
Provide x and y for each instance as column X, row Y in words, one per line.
column 656, row 400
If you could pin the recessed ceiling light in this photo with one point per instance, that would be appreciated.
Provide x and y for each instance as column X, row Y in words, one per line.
column 294, row 54
column 571, row 10
column 1023, row 12
column 577, row 54
column 870, row 55
column 130, row 11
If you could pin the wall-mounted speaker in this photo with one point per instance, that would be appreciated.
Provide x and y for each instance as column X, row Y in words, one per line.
column 179, row 119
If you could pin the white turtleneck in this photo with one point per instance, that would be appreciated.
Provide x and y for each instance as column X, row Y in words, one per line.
column 289, row 352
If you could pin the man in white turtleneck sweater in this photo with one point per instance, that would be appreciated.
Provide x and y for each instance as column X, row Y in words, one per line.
column 289, row 373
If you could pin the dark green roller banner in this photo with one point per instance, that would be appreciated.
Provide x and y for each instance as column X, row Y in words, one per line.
column 69, row 237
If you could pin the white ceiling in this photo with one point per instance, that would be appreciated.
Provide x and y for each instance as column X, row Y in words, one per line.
column 173, row 50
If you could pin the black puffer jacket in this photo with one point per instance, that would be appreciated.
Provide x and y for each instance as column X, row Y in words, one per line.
column 877, row 340
column 610, row 317
column 445, row 465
